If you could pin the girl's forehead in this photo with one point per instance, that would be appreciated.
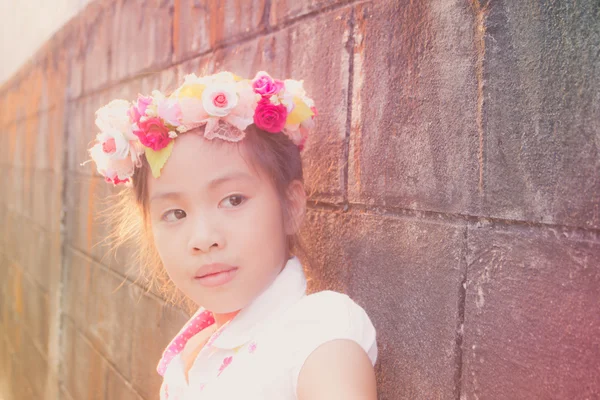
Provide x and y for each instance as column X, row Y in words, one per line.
column 196, row 162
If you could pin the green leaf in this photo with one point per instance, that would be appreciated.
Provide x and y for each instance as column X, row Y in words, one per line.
column 157, row 159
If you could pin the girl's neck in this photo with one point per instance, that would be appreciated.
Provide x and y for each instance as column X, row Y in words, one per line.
column 222, row 319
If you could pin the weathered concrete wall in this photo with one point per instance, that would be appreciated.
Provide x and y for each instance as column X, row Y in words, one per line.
column 455, row 184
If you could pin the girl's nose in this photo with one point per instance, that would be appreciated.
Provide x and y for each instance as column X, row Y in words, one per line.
column 205, row 236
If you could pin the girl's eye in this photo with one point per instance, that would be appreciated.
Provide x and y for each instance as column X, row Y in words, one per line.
column 173, row 215
column 232, row 201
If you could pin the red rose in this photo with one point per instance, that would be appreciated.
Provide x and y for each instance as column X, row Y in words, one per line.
column 153, row 133
column 270, row 117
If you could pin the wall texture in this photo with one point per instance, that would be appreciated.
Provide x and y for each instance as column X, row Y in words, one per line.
column 455, row 184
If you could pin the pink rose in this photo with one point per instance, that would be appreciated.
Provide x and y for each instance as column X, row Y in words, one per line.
column 270, row 117
column 264, row 85
column 138, row 109
column 153, row 133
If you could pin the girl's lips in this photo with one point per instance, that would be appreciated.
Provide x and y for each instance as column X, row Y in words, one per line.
column 217, row 278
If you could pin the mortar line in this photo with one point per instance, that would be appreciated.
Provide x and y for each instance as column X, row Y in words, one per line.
column 119, row 275
column 346, row 148
column 63, row 242
column 104, row 357
column 450, row 218
column 460, row 323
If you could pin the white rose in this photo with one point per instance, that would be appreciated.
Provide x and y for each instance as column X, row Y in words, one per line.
column 296, row 88
column 114, row 145
column 219, row 100
column 114, row 116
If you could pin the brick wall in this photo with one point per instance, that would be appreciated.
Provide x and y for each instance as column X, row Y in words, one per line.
column 454, row 179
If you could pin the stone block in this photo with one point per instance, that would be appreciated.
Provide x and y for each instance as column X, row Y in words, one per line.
column 110, row 311
column 45, row 194
column 407, row 274
column 87, row 229
column 414, row 140
column 77, row 285
column 39, row 260
column 84, row 370
column 202, row 25
column 322, row 240
column 118, row 388
column 541, row 112
column 285, row 11
column 98, row 46
column 141, row 37
column 33, row 367
column 155, row 324
column 532, row 328
column 55, row 75
column 35, row 315
column 75, row 61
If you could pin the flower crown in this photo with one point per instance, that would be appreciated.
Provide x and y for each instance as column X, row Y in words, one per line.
column 223, row 103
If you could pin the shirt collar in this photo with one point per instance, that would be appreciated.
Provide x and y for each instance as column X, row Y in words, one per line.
column 287, row 288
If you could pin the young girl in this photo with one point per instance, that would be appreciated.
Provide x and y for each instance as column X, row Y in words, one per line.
column 216, row 174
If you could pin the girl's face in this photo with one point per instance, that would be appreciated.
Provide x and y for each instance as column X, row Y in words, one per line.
column 211, row 209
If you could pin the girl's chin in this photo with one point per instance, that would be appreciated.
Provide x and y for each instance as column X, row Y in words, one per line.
column 223, row 304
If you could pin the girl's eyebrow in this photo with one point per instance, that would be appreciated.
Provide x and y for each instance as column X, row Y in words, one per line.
column 230, row 177
column 211, row 185
column 165, row 195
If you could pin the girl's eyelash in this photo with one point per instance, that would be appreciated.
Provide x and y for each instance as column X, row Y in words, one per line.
column 163, row 216
column 243, row 199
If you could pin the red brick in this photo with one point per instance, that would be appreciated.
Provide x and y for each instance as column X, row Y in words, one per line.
column 531, row 328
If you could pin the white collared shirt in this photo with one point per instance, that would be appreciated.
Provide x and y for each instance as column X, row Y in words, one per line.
column 259, row 353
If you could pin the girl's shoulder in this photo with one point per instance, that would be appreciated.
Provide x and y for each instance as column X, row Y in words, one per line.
column 330, row 306
column 324, row 316
column 329, row 313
